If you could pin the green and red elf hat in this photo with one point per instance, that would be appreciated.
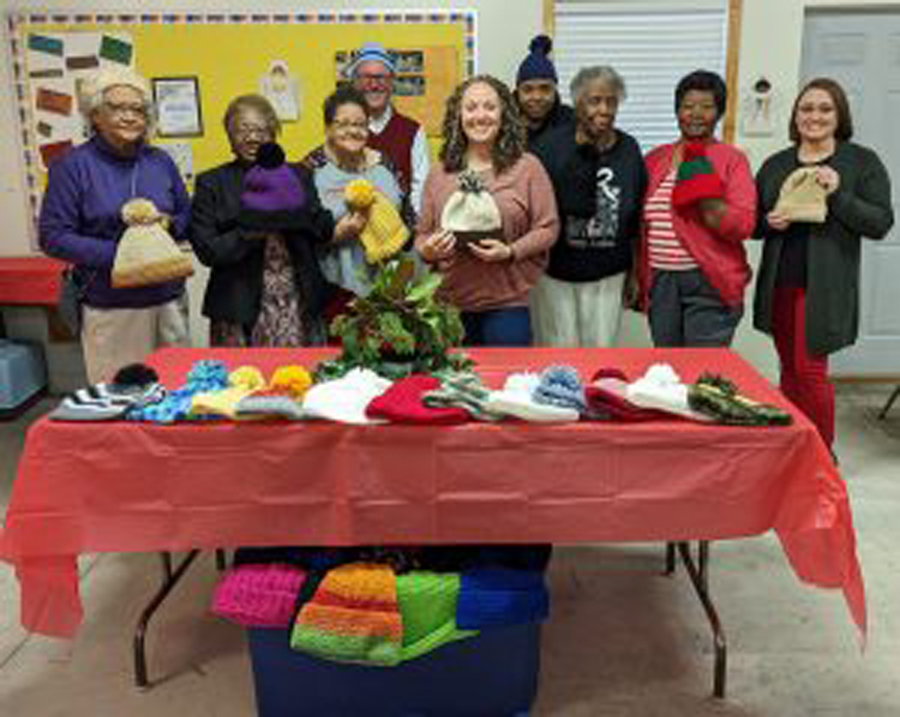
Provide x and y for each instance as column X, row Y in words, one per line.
column 696, row 179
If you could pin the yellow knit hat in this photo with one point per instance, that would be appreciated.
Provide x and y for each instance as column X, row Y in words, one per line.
column 385, row 233
column 241, row 382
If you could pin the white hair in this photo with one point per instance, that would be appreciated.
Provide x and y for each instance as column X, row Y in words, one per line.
column 601, row 73
column 92, row 93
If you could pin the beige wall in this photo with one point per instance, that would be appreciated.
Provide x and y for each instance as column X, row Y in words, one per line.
column 771, row 39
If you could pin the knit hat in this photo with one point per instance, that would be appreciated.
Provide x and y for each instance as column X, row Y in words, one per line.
column 471, row 212
column 258, row 595
column 537, row 65
column 560, row 386
column 607, row 398
column 372, row 52
column 428, row 607
column 273, row 195
column 134, row 385
column 223, row 403
column 384, row 233
column 517, row 400
column 402, row 403
column 353, row 616
column 696, row 178
column 345, row 399
column 661, row 388
column 495, row 597
column 146, row 253
column 465, row 390
column 205, row 375
column 802, row 198
column 99, row 81
column 282, row 398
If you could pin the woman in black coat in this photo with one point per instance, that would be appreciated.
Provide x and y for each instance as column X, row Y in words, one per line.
column 807, row 291
column 265, row 286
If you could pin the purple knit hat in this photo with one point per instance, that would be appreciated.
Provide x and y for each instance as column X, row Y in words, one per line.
column 272, row 193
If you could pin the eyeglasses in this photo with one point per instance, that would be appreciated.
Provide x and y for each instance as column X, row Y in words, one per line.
column 120, row 110
column 372, row 79
column 248, row 131
column 343, row 126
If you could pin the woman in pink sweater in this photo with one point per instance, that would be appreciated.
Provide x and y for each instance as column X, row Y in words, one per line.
column 699, row 209
column 489, row 279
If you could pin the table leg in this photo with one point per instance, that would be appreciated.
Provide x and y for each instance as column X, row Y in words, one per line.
column 890, row 402
column 698, row 573
column 166, row 565
column 171, row 580
column 670, row 558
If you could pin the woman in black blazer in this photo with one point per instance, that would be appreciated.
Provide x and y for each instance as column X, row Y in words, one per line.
column 265, row 287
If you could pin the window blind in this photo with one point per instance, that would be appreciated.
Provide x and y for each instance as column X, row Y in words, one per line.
column 651, row 47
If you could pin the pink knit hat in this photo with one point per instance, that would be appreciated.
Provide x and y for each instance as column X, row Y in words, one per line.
column 260, row 595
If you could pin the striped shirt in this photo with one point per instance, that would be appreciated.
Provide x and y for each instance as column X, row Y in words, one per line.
column 665, row 249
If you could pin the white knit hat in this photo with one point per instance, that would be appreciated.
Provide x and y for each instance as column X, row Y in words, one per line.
column 345, row 399
column 517, row 400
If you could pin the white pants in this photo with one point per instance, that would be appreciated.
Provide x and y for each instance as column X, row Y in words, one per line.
column 568, row 313
column 112, row 338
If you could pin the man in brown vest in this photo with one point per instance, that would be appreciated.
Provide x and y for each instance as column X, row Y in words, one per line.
column 397, row 136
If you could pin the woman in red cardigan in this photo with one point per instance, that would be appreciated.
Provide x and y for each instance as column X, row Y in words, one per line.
column 699, row 209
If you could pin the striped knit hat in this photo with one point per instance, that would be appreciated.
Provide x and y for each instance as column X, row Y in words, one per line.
column 134, row 386
column 353, row 617
column 696, row 179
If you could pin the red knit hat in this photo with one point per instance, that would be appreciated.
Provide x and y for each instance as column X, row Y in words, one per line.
column 402, row 403
column 696, row 179
column 605, row 396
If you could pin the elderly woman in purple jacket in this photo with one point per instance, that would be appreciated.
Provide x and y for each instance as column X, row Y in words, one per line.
column 80, row 222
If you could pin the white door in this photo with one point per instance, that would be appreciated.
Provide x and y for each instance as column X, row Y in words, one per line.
column 861, row 50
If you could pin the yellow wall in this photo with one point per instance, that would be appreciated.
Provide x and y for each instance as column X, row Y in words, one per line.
column 228, row 61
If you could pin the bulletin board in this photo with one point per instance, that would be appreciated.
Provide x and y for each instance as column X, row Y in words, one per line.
column 219, row 56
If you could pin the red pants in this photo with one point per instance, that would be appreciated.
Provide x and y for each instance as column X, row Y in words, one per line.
column 804, row 377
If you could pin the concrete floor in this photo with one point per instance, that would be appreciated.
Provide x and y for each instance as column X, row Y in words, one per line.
column 622, row 639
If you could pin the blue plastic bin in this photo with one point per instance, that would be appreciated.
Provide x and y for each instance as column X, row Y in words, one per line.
column 23, row 376
column 494, row 674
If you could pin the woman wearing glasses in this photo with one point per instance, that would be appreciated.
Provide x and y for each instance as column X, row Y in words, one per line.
column 265, row 286
column 81, row 223
column 343, row 158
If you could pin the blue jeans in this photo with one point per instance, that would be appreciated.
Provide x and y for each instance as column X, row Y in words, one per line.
column 498, row 327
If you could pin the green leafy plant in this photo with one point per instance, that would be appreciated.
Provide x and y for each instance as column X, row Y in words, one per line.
column 399, row 328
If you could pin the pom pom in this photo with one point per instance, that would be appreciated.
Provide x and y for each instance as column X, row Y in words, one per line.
column 359, row 194
column 565, row 376
column 207, row 375
column 610, row 373
column 248, row 377
column 294, row 379
column 140, row 211
column 541, row 44
column 135, row 374
column 270, row 155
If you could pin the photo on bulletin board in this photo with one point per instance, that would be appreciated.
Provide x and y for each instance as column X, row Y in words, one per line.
column 178, row 106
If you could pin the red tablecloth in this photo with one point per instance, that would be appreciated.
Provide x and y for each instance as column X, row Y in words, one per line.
column 141, row 487
column 32, row 280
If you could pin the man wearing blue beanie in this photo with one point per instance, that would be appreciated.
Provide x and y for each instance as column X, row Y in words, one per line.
column 536, row 92
column 397, row 136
